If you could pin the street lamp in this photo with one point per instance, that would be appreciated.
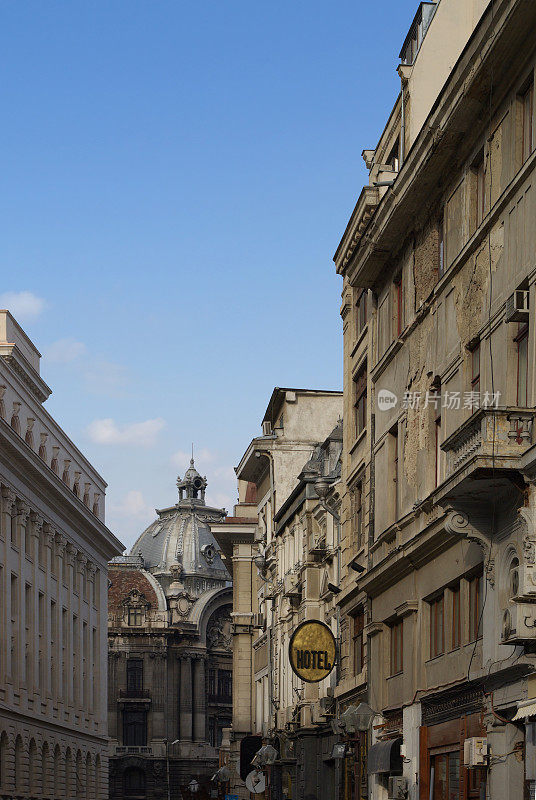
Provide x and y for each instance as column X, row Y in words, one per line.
column 176, row 741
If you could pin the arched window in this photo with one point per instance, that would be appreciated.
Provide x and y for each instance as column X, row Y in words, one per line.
column 19, row 750
column 45, row 778
column 57, row 771
column 97, row 778
column 68, row 773
column 32, row 765
column 513, row 578
column 79, row 777
column 89, row 779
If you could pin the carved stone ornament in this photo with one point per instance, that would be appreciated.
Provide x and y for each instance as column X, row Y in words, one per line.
column 49, row 534
column 43, row 446
column 23, row 511
column 8, row 498
column 37, row 522
column 458, row 523
column 61, row 543
column 136, row 599
column 209, row 553
column 219, row 634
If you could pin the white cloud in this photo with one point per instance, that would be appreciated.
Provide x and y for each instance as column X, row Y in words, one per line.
column 132, row 505
column 144, row 434
column 65, row 350
column 23, row 305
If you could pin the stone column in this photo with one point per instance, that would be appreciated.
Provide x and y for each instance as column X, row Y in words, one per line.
column 185, row 699
column 199, row 699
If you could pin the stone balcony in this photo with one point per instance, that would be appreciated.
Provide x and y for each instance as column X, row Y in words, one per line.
column 490, row 438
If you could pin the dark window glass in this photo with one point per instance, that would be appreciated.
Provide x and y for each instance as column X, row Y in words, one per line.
column 134, row 728
column 134, row 674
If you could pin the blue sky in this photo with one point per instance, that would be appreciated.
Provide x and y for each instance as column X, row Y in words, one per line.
column 176, row 177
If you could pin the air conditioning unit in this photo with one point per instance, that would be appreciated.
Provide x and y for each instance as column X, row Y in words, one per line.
column 397, row 788
column 475, row 751
column 517, row 307
column 518, row 623
column 267, row 428
column 327, row 705
column 258, row 620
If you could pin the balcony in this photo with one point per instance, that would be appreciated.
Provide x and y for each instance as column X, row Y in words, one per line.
column 135, row 694
column 496, row 437
column 133, row 750
column 484, row 453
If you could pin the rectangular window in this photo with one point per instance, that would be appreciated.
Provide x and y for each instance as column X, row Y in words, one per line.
column 437, row 627
column 135, row 617
column 522, row 343
column 134, row 675
column 455, row 639
column 395, row 469
column 397, row 647
column 361, row 312
column 475, row 368
column 441, row 255
column 399, row 305
column 480, row 191
column 360, row 400
column 476, row 585
column 527, row 100
column 134, row 728
column 437, row 429
column 357, row 513
column 212, row 682
column 358, row 641
column 225, row 684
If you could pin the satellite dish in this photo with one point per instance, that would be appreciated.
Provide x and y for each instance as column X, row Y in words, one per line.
column 256, row 782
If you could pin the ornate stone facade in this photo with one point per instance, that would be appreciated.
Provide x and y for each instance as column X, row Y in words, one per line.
column 169, row 695
column 53, row 595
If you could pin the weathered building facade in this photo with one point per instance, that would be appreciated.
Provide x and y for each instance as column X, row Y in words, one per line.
column 170, row 664
column 439, row 454
column 281, row 569
column 54, row 551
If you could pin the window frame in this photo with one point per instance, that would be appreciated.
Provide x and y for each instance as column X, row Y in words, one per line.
column 397, row 647
column 437, row 626
column 527, row 111
column 137, row 613
column 475, row 351
column 522, row 339
column 476, row 600
column 456, row 617
column 358, row 641
column 134, row 675
column 361, row 312
column 360, row 389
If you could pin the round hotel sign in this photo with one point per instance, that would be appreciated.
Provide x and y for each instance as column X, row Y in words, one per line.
column 312, row 651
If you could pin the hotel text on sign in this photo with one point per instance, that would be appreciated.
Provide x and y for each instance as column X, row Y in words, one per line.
column 312, row 651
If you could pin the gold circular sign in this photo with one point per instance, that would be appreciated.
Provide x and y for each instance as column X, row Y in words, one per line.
column 312, row 651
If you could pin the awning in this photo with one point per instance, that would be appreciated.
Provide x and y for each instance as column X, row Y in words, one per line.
column 525, row 710
column 385, row 757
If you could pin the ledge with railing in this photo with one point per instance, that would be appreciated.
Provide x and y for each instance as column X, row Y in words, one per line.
column 494, row 435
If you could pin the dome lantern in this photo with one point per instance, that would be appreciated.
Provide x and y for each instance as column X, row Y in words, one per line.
column 192, row 486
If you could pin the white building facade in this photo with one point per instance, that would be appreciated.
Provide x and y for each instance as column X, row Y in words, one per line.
column 54, row 550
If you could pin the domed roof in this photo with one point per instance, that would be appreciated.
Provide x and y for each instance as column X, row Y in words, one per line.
column 179, row 542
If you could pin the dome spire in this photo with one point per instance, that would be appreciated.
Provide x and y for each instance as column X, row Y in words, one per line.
column 192, row 486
